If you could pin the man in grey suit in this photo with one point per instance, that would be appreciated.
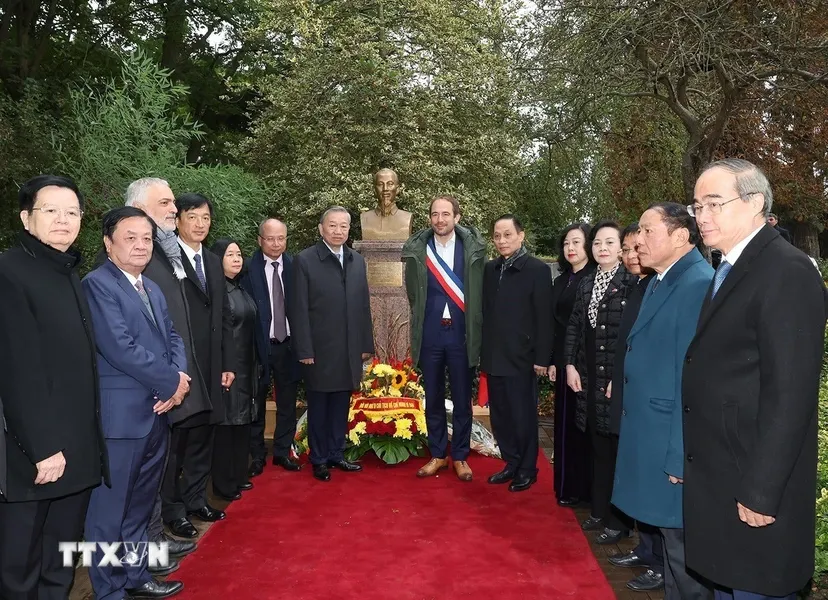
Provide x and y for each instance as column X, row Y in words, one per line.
column 2, row 452
column 330, row 321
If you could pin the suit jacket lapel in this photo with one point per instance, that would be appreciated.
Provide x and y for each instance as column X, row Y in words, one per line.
column 737, row 272
column 156, row 309
column 654, row 300
column 190, row 271
column 258, row 279
column 130, row 290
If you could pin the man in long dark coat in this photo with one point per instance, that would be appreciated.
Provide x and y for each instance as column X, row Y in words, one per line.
column 750, row 390
column 332, row 333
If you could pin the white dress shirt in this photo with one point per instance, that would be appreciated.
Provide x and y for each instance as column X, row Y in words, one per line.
column 191, row 254
column 131, row 278
column 446, row 252
column 340, row 255
column 735, row 252
column 269, row 270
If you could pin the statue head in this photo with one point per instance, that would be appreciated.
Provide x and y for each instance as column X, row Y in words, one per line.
column 386, row 188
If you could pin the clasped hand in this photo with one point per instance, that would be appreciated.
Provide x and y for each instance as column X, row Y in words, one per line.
column 177, row 398
column 50, row 469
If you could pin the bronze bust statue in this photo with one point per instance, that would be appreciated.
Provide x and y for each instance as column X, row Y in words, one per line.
column 386, row 221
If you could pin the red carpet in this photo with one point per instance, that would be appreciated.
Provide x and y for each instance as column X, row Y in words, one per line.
column 384, row 534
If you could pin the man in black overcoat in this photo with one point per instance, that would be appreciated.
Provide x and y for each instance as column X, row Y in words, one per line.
column 750, row 388
column 516, row 349
column 54, row 447
column 332, row 334
column 184, row 488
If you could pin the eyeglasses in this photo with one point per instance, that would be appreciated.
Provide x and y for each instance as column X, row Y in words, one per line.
column 52, row 212
column 272, row 240
column 714, row 208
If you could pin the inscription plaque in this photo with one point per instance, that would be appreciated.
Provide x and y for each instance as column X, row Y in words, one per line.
column 386, row 274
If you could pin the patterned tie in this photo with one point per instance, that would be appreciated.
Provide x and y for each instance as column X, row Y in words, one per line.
column 278, row 298
column 145, row 299
column 721, row 273
column 200, row 273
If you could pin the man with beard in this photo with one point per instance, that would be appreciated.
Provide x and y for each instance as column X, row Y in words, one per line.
column 444, row 283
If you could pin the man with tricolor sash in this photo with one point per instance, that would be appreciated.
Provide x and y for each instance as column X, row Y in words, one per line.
column 444, row 282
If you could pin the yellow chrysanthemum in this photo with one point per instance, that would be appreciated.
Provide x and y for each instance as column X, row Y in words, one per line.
column 403, row 429
column 395, row 393
column 360, row 427
column 421, row 422
column 382, row 370
column 353, row 435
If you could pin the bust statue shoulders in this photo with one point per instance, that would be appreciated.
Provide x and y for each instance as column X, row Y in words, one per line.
column 394, row 226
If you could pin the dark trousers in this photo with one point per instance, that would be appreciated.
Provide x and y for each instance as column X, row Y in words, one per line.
column 282, row 369
column 184, row 487
column 650, row 547
column 679, row 583
column 573, row 451
column 31, row 566
column 440, row 352
column 327, row 425
column 604, row 453
column 513, row 403
column 122, row 512
column 230, row 458
column 739, row 595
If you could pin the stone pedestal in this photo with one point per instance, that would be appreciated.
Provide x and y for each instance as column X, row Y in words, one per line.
column 389, row 304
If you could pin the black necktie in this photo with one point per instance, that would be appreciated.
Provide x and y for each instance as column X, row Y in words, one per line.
column 278, row 298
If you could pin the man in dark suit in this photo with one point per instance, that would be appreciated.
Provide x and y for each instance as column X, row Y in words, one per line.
column 773, row 221
column 184, row 488
column 142, row 375
column 2, row 452
column 516, row 349
column 166, row 269
column 332, row 335
column 648, row 553
column 268, row 280
column 650, row 463
column 751, row 380
column 55, row 449
column 444, row 284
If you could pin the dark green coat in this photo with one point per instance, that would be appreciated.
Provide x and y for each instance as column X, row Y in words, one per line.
column 413, row 254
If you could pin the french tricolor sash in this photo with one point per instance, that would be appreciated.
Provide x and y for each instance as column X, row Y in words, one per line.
column 447, row 278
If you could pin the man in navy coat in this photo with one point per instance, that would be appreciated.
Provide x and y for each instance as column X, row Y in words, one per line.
column 141, row 367
column 650, row 464
column 268, row 280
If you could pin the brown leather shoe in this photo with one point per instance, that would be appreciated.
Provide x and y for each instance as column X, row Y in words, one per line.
column 463, row 470
column 432, row 467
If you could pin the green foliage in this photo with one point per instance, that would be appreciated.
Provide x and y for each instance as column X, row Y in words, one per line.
column 420, row 86
column 128, row 128
column 822, row 471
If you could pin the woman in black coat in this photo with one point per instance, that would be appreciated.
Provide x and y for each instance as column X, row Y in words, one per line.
column 589, row 351
column 233, row 434
column 572, row 458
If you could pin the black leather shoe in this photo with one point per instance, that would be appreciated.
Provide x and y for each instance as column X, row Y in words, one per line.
column 631, row 559
column 207, row 513
column 236, row 496
column 172, row 567
column 156, row 589
column 256, row 468
column 569, row 502
column 503, row 476
column 521, row 483
column 245, row 486
column 344, row 465
column 321, row 473
column 611, row 536
column 182, row 528
column 286, row 463
column 178, row 548
column 647, row 582
column 592, row 524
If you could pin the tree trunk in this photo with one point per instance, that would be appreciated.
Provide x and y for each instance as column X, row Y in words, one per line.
column 175, row 32
column 806, row 238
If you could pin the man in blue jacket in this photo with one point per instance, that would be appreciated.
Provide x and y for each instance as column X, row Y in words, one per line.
column 650, row 464
column 141, row 369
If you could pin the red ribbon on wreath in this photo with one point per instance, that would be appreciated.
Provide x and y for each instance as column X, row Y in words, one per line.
column 483, row 390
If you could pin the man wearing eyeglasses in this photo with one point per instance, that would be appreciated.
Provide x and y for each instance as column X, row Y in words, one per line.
column 267, row 280
column 750, row 394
